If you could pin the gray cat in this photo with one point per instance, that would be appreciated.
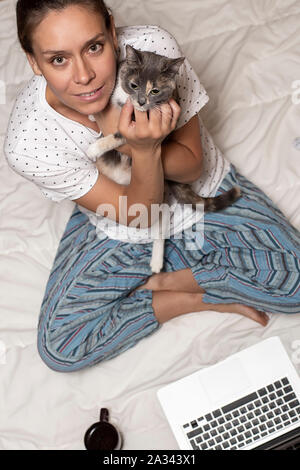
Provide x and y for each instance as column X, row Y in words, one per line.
column 149, row 80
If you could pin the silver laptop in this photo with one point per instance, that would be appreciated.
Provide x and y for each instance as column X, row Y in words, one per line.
column 251, row 400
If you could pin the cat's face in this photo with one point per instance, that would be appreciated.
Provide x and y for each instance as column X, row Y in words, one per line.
column 148, row 78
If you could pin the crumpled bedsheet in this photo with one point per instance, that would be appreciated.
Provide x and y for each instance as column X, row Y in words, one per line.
column 246, row 54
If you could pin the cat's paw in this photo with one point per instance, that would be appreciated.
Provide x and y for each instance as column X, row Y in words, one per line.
column 95, row 151
column 156, row 264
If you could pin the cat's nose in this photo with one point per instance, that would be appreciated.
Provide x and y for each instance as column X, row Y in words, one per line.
column 141, row 101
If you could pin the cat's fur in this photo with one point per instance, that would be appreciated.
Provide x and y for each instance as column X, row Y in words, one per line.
column 149, row 80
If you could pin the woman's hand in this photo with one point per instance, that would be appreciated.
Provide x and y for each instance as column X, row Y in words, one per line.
column 145, row 134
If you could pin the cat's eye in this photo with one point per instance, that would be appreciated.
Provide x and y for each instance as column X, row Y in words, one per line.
column 133, row 85
column 154, row 91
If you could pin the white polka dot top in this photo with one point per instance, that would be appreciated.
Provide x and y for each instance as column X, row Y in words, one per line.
column 49, row 149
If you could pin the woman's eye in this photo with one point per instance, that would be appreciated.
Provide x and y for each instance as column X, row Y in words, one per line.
column 58, row 59
column 133, row 86
column 95, row 45
column 154, row 91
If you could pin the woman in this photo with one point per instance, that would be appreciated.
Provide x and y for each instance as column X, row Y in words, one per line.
column 101, row 298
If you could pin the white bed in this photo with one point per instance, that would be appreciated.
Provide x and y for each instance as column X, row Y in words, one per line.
column 246, row 54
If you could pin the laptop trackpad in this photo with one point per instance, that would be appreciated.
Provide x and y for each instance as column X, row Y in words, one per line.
column 227, row 380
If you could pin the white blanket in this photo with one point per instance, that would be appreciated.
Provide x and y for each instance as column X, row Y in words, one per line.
column 247, row 57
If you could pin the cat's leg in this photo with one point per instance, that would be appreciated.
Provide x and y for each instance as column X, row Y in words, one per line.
column 157, row 259
column 105, row 144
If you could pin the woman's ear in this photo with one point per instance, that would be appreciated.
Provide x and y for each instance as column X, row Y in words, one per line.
column 33, row 64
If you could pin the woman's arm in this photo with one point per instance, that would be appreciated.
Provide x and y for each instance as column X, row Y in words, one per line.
column 114, row 200
column 181, row 151
column 144, row 137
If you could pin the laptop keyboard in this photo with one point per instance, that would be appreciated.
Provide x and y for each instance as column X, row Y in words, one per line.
column 246, row 420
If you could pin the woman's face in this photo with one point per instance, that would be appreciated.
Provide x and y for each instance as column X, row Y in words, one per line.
column 77, row 55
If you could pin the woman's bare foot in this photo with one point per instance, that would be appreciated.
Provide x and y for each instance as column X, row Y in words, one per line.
column 182, row 280
column 170, row 304
column 244, row 310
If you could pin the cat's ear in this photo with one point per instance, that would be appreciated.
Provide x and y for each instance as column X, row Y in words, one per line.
column 173, row 65
column 132, row 56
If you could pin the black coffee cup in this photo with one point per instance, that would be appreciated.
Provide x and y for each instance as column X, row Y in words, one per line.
column 103, row 435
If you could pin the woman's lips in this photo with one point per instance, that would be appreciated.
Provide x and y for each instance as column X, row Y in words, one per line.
column 90, row 97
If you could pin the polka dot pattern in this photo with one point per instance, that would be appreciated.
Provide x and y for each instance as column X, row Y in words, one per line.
column 192, row 95
column 192, row 98
column 49, row 149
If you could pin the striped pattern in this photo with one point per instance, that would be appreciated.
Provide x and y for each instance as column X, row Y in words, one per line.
column 249, row 254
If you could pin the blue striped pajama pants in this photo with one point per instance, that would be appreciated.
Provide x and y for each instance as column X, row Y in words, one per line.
column 250, row 254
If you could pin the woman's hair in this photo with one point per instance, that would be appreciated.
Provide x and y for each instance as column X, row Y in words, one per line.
column 30, row 13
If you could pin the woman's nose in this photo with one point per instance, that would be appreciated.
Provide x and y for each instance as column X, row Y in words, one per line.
column 82, row 72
